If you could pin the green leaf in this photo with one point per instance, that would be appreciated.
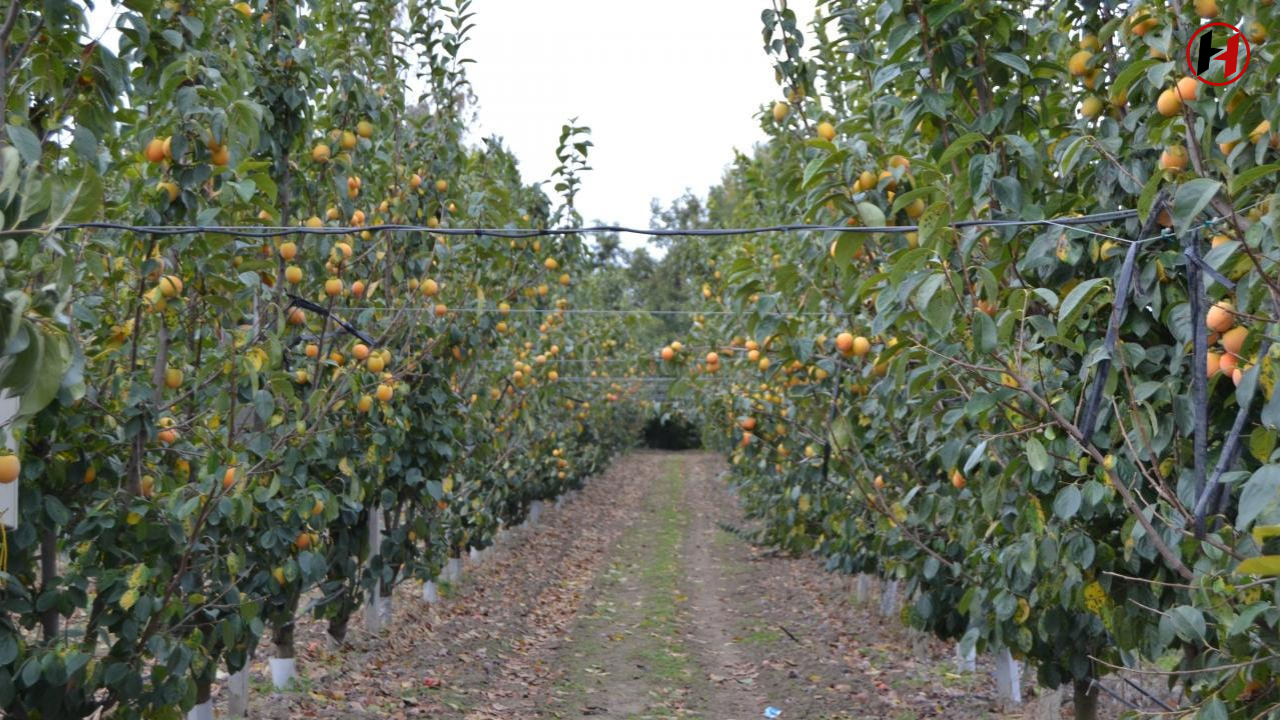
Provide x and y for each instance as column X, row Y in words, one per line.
column 77, row 198
column 1071, row 153
column 1067, row 502
column 1148, row 195
column 1190, row 199
column 25, row 141
column 54, row 362
column 56, row 511
column 935, row 219
column 813, row 171
column 10, row 158
column 1038, row 457
column 1188, row 622
column 902, row 200
column 1128, row 75
column 1248, row 177
column 1262, row 442
column 1246, row 617
column 870, row 214
column 26, row 350
column 264, row 404
column 885, row 75
column 841, row 434
column 1012, row 61
column 1258, row 494
column 957, row 146
column 984, row 333
column 1075, row 304
column 1264, row 565
column 846, row 246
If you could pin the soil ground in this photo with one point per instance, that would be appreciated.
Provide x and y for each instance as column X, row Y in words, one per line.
column 631, row 601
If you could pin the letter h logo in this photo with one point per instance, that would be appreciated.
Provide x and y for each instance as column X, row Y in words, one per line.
column 1208, row 53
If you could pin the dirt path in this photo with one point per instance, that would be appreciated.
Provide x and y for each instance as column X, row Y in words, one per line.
column 631, row 601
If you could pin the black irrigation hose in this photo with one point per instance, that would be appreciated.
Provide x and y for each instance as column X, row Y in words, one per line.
column 515, row 233
column 1119, row 308
column 1230, row 450
column 1199, row 361
column 305, row 304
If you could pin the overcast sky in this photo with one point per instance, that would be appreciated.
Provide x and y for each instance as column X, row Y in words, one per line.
column 668, row 87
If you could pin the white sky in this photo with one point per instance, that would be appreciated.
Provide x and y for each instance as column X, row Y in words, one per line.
column 668, row 87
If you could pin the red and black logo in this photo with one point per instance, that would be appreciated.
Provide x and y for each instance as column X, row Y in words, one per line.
column 1203, row 53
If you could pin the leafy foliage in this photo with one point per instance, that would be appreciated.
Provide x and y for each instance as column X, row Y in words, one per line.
column 210, row 421
column 945, row 443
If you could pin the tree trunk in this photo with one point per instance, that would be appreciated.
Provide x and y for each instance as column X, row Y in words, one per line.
column 338, row 628
column 204, row 688
column 282, row 636
column 1086, row 699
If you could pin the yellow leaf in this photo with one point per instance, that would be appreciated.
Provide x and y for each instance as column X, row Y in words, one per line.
column 253, row 360
column 448, row 484
column 345, row 466
column 1267, row 372
column 1266, row 565
column 128, row 599
column 1095, row 598
column 1262, row 532
column 804, row 503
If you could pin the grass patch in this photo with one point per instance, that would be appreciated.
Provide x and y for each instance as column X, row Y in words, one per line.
column 761, row 637
column 637, row 618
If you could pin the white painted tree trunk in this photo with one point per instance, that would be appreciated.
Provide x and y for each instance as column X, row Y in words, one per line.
column 238, row 693
column 1008, row 679
column 535, row 512
column 889, row 598
column 920, row 645
column 864, row 587
column 453, row 570
column 1049, row 705
column 8, row 492
column 203, row 711
column 373, row 612
column 966, row 662
column 283, row 670
column 430, row 593
column 473, row 556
